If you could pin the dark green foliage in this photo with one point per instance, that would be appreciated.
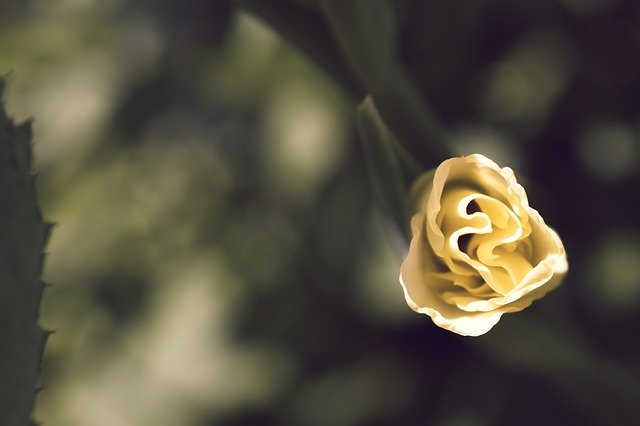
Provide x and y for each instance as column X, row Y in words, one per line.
column 23, row 235
column 367, row 34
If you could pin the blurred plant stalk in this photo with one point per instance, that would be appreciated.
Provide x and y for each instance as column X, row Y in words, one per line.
column 355, row 42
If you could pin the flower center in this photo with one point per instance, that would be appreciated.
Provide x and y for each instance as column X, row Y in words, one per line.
column 497, row 249
column 484, row 237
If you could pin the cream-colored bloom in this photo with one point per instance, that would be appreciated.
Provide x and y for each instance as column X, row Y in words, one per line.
column 478, row 250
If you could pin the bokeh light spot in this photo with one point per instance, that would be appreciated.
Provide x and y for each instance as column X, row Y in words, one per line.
column 609, row 150
column 305, row 137
column 614, row 273
column 504, row 92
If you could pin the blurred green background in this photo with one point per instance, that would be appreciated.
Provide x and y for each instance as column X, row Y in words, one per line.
column 218, row 258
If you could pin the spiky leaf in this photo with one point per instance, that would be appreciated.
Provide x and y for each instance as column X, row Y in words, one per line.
column 22, row 237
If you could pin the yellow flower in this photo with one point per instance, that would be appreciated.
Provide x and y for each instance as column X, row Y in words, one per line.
column 478, row 250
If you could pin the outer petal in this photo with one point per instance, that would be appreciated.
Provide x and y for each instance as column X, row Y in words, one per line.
column 422, row 297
